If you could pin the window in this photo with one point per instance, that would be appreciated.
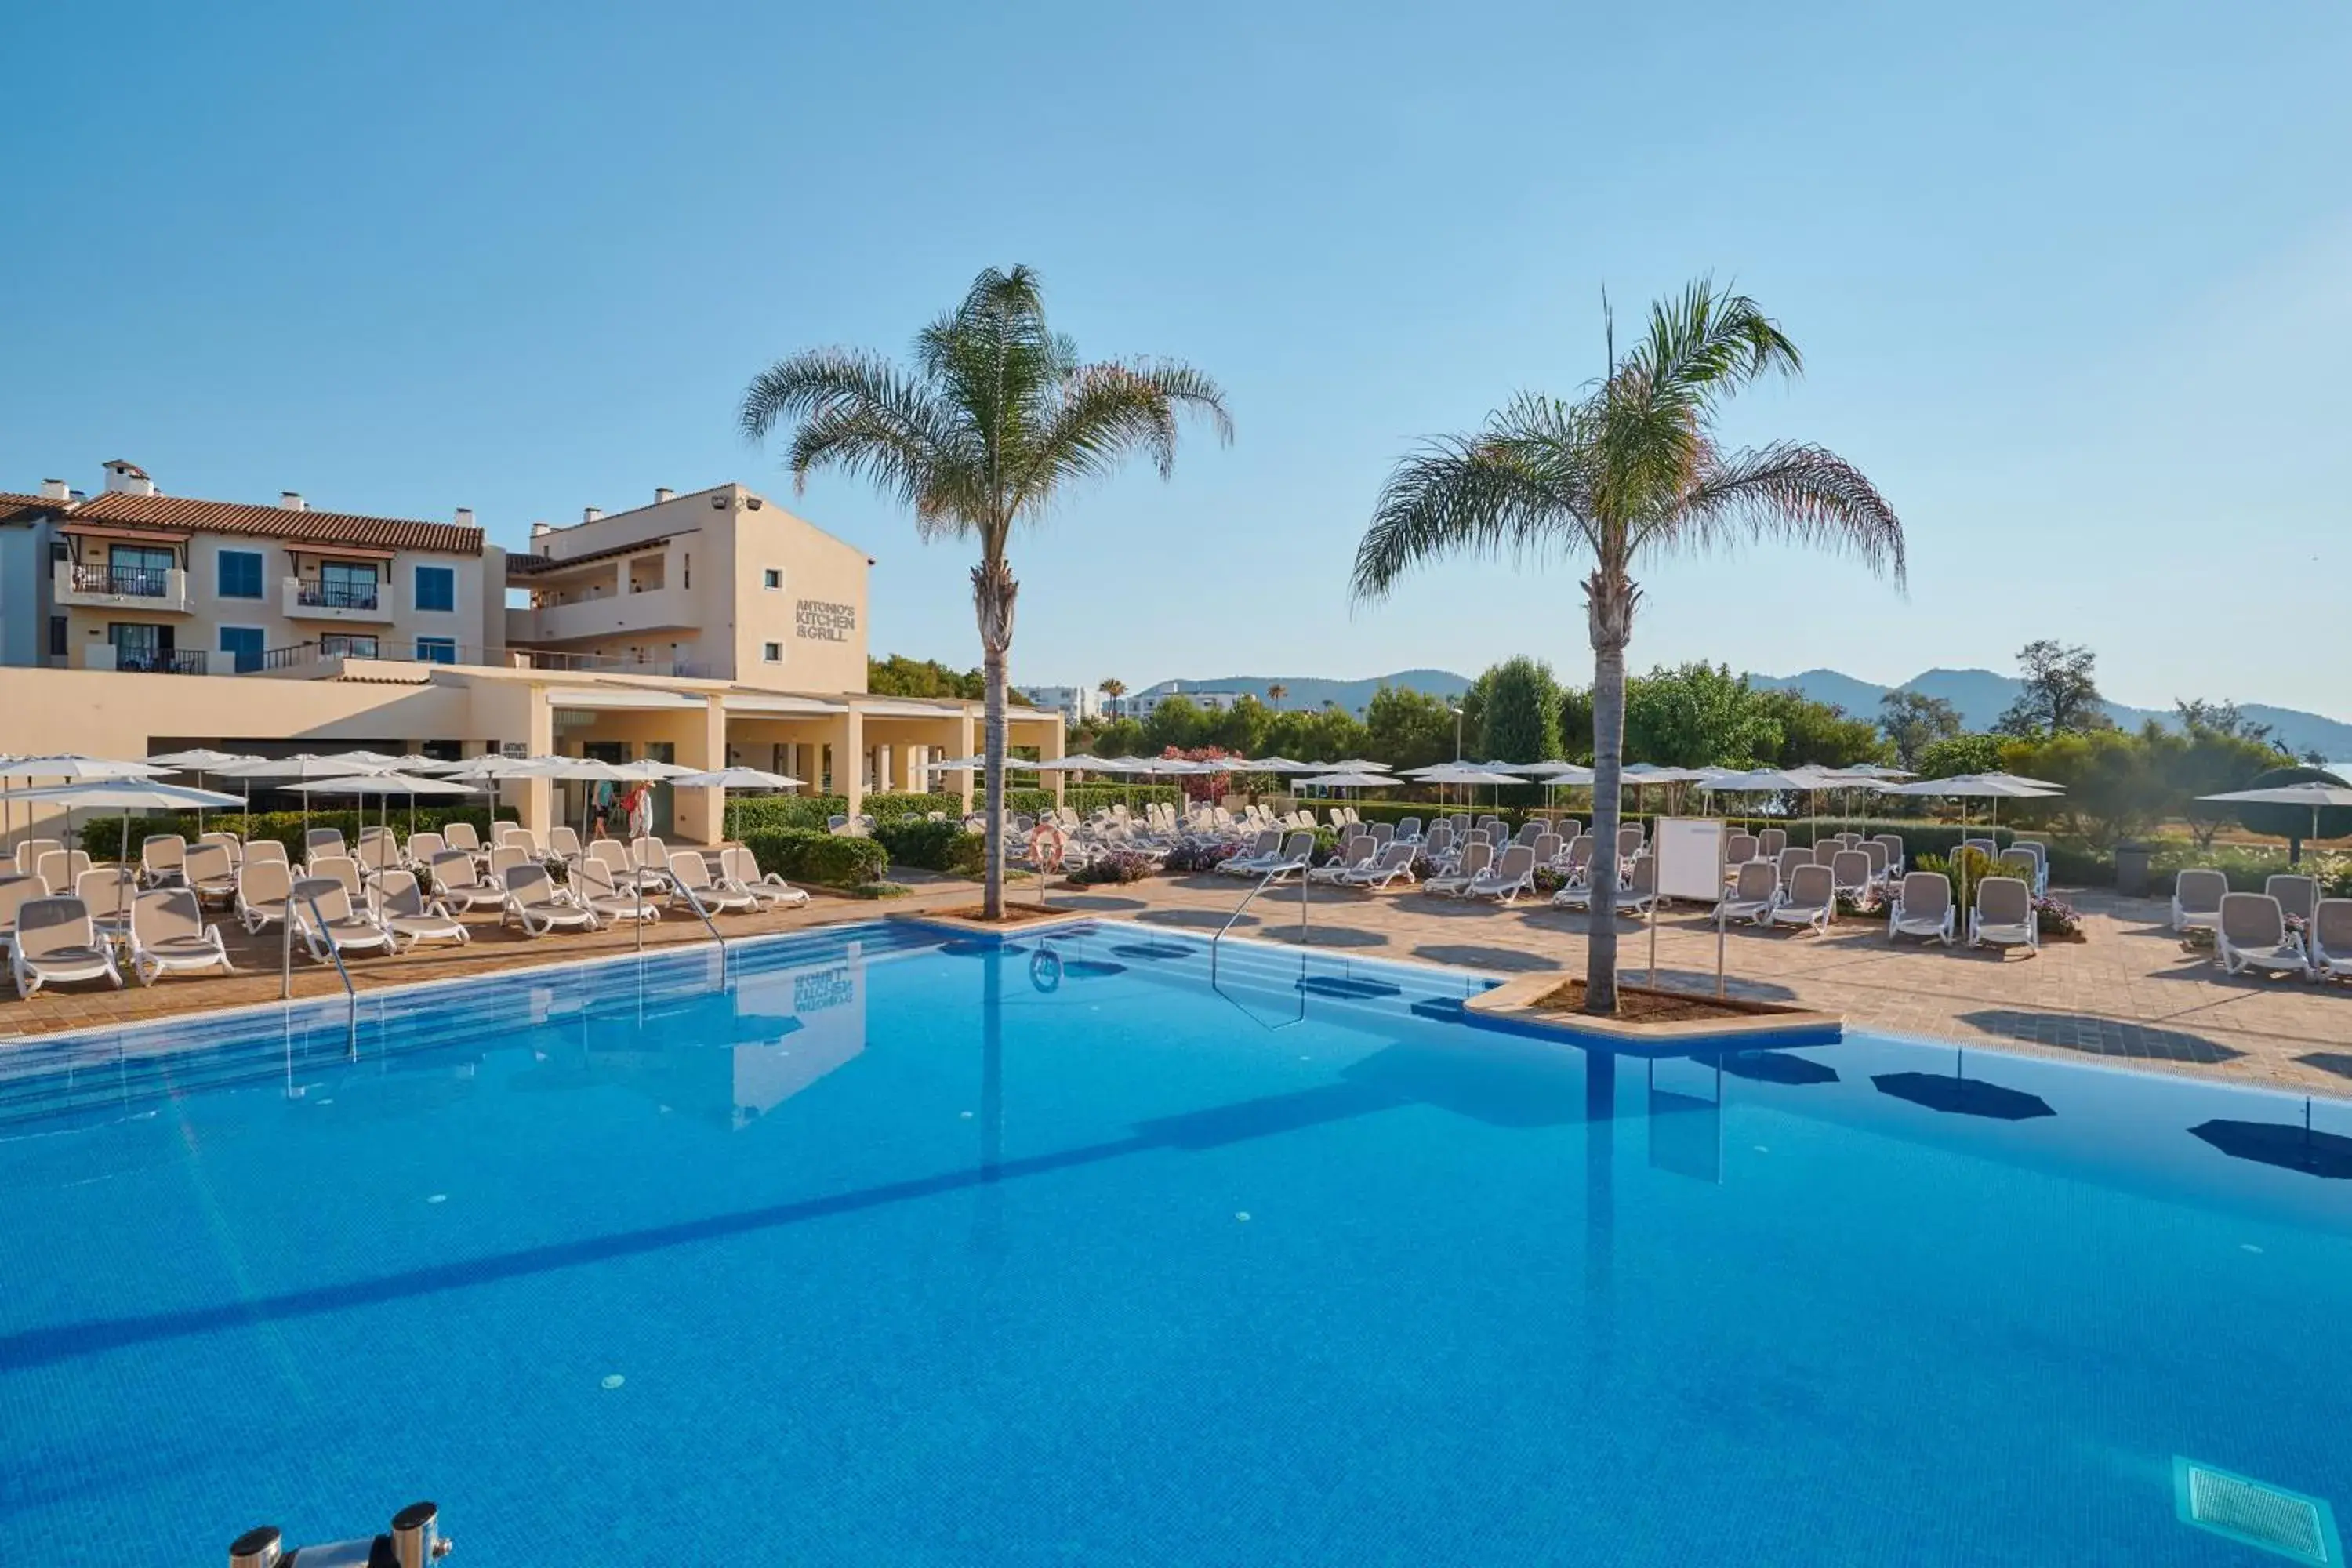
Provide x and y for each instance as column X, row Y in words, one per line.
column 344, row 585
column 772, row 652
column 341, row 646
column 435, row 650
column 437, row 588
column 140, row 646
column 135, row 569
column 242, row 643
column 241, row 576
column 685, row 570
column 772, row 580
column 57, row 645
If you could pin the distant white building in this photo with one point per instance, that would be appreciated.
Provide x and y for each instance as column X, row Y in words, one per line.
column 1143, row 705
column 1077, row 704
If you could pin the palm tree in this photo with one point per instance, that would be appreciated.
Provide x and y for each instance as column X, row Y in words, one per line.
column 993, row 419
column 1275, row 692
column 1627, row 472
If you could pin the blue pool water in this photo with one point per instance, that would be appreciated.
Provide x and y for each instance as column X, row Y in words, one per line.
column 919, row 1252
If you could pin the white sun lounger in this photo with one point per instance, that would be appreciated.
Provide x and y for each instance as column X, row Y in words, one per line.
column 1475, row 859
column 2196, row 896
column 690, row 875
column 2253, row 936
column 1809, row 900
column 2331, row 939
column 1751, row 898
column 1922, row 907
column 56, row 943
column 261, row 889
column 1395, row 861
column 739, row 872
column 1513, row 875
column 1356, row 855
column 534, row 902
column 402, row 909
column 458, row 884
column 168, row 934
column 328, row 922
column 2003, row 915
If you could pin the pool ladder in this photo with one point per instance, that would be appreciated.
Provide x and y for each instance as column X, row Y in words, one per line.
column 1272, row 875
column 415, row 1540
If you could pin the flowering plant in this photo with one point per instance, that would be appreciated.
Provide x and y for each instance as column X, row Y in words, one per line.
column 2055, row 916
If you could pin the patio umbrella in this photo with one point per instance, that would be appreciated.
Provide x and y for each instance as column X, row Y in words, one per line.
column 1778, row 1066
column 2313, row 794
column 2328, row 1155
column 293, row 769
column 145, row 795
column 68, row 766
column 1991, row 787
column 199, row 762
column 1962, row 1096
column 1359, row 765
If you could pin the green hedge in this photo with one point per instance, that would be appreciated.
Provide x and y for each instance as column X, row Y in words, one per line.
column 101, row 836
column 828, row 859
column 932, row 845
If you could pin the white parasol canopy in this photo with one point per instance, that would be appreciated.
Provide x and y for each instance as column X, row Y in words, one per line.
column 124, row 793
column 735, row 778
column 2310, row 793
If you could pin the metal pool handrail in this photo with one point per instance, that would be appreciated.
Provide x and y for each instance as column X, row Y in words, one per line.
column 1299, row 866
column 334, row 951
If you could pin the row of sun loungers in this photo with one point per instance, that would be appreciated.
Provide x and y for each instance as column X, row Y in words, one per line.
column 2285, row 929
column 70, row 932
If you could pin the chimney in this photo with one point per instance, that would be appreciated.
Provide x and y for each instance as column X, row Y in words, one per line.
column 292, row 500
column 591, row 513
column 663, row 493
column 54, row 489
column 464, row 517
column 126, row 477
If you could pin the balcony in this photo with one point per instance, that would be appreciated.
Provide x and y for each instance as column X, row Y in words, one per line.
column 610, row 615
column 120, row 588
column 312, row 599
column 106, row 656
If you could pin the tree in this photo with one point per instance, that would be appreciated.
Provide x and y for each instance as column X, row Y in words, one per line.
column 1408, row 728
column 898, row 676
column 994, row 421
column 1914, row 721
column 1112, row 687
column 1819, row 734
column 1630, row 471
column 1242, row 728
column 1177, row 725
column 1576, row 723
column 1700, row 715
column 1275, row 692
column 1519, row 721
column 2061, row 692
column 1120, row 738
column 2222, row 718
column 1958, row 754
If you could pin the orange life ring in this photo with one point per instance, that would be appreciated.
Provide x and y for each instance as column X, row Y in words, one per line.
column 1043, row 834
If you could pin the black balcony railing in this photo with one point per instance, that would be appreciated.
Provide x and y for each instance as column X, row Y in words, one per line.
column 132, row 582
column 311, row 651
column 313, row 594
column 147, row 661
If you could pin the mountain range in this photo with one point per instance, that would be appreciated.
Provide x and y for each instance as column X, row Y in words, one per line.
column 1983, row 696
column 1980, row 695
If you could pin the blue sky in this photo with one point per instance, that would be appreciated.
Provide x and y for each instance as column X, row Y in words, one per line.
column 2070, row 288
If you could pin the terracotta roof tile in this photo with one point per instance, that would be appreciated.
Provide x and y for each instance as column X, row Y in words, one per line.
column 279, row 523
column 14, row 508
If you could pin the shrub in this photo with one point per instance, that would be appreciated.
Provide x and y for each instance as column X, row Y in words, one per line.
column 1198, row 855
column 930, row 846
column 2052, row 916
column 828, row 859
column 747, row 815
column 1119, row 865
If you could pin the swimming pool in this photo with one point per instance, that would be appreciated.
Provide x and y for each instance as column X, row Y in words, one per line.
column 870, row 1246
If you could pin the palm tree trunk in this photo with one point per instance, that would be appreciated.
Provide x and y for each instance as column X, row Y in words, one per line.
column 1608, row 608
column 993, row 594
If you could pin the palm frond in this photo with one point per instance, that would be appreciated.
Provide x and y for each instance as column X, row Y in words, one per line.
column 1788, row 491
column 863, row 414
column 1101, row 413
column 1522, row 484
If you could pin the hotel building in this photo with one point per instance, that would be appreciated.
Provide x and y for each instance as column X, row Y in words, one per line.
column 704, row 628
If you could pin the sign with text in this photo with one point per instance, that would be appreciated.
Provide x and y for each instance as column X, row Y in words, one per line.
column 821, row 620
